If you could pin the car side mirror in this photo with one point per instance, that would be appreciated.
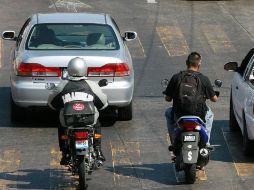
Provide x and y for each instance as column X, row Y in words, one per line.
column 218, row 83
column 130, row 35
column 9, row 35
column 103, row 82
column 231, row 66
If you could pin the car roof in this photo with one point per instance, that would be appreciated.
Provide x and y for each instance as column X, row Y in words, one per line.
column 69, row 18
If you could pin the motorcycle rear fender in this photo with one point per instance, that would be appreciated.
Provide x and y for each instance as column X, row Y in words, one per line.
column 190, row 150
column 81, row 152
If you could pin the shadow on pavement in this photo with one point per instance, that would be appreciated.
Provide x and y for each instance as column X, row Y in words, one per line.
column 228, row 145
column 160, row 173
column 43, row 117
column 37, row 179
column 34, row 118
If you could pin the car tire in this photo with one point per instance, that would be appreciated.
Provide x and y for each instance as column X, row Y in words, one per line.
column 125, row 113
column 233, row 124
column 18, row 113
column 247, row 143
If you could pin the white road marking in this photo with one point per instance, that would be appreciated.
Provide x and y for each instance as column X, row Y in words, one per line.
column 151, row 1
column 71, row 5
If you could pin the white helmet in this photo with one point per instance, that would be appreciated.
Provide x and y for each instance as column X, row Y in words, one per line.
column 77, row 67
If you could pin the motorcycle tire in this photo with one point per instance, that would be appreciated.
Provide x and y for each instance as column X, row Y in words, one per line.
column 82, row 174
column 190, row 173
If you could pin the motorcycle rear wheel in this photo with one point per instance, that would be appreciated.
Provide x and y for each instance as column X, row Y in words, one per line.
column 82, row 174
column 190, row 173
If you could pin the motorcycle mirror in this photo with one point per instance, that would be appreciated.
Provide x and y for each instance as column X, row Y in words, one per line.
column 103, row 82
column 164, row 83
column 218, row 83
column 50, row 86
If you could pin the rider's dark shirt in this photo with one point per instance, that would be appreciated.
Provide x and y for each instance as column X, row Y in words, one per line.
column 172, row 88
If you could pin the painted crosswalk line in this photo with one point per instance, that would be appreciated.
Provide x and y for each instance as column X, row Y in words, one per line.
column 124, row 174
column 66, row 180
column 9, row 166
column 217, row 39
column 244, row 169
column 173, row 40
column 136, row 49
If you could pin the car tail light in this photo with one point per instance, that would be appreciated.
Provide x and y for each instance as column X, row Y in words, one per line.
column 109, row 70
column 81, row 135
column 190, row 126
column 37, row 70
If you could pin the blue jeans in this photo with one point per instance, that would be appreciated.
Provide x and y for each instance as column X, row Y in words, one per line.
column 171, row 123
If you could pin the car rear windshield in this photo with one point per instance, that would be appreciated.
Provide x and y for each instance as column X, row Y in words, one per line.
column 72, row 36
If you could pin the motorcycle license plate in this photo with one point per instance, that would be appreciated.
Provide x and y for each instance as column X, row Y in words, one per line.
column 82, row 144
column 189, row 138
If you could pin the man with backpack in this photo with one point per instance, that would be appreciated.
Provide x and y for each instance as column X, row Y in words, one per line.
column 77, row 84
column 189, row 90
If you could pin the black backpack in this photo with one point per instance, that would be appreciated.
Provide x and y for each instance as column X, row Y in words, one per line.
column 189, row 98
column 78, row 112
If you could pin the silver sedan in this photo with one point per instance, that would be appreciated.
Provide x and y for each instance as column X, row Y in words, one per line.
column 47, row 42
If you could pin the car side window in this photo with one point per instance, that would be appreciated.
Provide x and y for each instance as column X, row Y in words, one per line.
column 248, row 74
column 20, row 36
column 245, row 61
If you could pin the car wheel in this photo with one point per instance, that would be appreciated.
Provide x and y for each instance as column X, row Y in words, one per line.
column 233, row 124
column 247, row 143
column 17, row 113
column 125, row 113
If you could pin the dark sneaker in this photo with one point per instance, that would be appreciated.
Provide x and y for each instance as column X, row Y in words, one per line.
column 101, row 157
column 171, row 148
column 65, row 160
column 99, row 160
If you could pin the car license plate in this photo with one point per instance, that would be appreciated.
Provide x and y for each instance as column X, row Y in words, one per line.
column 82, row 144
column 189, row 138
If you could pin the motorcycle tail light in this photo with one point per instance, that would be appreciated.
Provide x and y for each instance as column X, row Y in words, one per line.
column 97, row 136
column 189, row 126
column 81, row 135
column 64, row 137
column 37, row 70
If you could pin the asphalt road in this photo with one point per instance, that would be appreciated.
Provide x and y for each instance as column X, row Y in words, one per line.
column 136, row 151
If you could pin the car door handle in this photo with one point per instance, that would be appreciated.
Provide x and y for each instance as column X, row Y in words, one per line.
column 237, row 87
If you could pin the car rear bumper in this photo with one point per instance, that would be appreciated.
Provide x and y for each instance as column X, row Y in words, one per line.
column 31, row 94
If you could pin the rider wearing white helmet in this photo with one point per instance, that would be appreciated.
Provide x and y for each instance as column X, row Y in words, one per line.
column 77, row 82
